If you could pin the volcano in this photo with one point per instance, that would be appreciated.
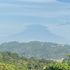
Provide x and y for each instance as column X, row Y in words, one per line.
column 37, row 32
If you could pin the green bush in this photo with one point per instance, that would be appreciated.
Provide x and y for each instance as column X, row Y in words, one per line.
column 58, row 66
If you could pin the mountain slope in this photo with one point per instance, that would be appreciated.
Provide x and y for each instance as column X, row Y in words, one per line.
column 37, row 33
column 37, row 49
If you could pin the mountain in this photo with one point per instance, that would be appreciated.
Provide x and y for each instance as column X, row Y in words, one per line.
column 37, row 49
column 37, row 32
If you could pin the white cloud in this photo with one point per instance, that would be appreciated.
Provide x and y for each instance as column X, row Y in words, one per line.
column 47, row 10
column 40, row 12
column 38, row 0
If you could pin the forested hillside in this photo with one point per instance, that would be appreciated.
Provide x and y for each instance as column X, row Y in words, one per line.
column 12, row 61
column 37, row 49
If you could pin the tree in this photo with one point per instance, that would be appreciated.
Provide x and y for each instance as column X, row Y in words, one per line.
column 58, row 66
column 68, row 58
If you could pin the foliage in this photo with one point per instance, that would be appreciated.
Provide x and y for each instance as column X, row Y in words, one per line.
column 58, row 66
column 12, row 61
column 36, row 49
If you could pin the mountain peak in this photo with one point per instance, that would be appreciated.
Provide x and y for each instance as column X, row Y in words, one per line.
column 37, row 32
column 36, row 28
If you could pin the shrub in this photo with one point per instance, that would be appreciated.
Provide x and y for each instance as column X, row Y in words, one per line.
column 58, row 66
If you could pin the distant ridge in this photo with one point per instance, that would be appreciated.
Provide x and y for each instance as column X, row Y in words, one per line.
column 37, row 49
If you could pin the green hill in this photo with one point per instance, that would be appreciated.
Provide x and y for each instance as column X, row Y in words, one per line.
column 37, row 49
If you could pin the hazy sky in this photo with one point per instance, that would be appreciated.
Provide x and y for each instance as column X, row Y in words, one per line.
column 16, row 15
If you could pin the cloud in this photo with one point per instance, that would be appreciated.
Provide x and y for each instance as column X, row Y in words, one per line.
column 66, row 1
column 38, row 0
column 8, row 28
column 22, row 8
column 14, row 14
column 63, row 31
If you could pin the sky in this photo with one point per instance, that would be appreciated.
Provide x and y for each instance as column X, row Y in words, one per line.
column 17, row 15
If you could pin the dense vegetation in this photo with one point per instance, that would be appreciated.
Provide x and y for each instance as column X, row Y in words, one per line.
column 34, row 55
column 37, row 49
column 12, row 61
